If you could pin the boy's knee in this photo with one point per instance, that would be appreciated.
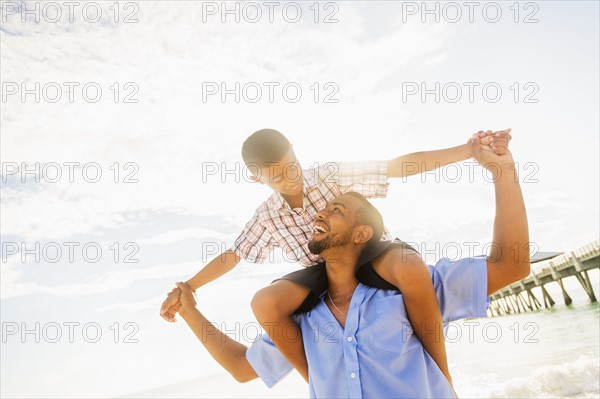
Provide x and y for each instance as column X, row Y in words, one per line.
column 264, row 302
column 278, row 300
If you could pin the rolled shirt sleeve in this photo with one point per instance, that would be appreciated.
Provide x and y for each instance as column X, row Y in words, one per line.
column 461, row 287
column 367, row 178
column 268, row 362
column 254, row 242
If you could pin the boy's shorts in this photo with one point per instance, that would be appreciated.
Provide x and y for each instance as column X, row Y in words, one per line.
column 315, row 277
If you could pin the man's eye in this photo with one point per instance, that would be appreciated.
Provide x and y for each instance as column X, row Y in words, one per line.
column 336, row 209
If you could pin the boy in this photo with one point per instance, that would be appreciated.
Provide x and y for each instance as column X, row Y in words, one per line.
column 285, row 220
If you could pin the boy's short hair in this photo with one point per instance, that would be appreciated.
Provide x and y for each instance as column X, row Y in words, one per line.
column 368, row 215
column 265, row 146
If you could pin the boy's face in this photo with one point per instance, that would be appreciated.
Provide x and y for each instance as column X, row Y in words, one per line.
column 285, row 176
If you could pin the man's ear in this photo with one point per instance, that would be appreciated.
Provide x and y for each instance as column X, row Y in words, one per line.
column 363, row 234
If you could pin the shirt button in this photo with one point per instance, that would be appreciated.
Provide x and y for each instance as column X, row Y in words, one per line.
column 352, row 375
column 349, row 339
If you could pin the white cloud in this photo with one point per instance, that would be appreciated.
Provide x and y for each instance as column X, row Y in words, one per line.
column 170, row 132
column 13, row 275
column 171, row 237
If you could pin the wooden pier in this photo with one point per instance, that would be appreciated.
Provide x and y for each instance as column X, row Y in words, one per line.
column 518, row 297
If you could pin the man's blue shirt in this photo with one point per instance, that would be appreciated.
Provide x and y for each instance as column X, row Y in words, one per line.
column 377, row 355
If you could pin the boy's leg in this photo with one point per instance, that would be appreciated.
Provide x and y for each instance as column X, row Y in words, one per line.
column 273, row 307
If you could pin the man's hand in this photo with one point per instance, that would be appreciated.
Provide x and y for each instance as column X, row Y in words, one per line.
column 496, row 141
column 230, row 354
column 171, row 305
column 188, row 300
column 494, row 155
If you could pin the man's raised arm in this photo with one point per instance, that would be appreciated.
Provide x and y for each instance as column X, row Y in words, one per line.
column 508, row 260
column 230, row 354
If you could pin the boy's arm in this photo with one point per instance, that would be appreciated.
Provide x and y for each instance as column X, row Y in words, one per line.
column 213, row 270
column 230, row 354
column 405, row 270
column 253, row 244
column 420, row 162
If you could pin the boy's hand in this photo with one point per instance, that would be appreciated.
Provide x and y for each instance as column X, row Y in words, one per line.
column 171, row 305
column 486, row 155
column 497, row 141
column 188, row 300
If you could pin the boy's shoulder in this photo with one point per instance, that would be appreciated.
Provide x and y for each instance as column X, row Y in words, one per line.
column 272, row 203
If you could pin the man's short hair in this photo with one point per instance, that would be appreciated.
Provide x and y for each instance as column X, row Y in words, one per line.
column 368, row 215
column 265, row 146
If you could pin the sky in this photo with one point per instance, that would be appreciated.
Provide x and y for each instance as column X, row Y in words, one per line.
column 121, row 130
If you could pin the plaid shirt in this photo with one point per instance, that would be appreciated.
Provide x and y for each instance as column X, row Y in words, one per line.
column 276, row 224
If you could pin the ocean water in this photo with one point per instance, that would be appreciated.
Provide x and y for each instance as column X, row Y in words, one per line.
column 547, row 353
column 543, row 354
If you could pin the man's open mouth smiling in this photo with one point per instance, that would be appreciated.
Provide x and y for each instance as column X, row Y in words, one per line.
column 320, row 228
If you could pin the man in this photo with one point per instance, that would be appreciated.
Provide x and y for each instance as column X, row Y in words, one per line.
column 356, row 337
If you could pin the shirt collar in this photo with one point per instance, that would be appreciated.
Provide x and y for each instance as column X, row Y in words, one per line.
column 358, row 295
column 310, row 181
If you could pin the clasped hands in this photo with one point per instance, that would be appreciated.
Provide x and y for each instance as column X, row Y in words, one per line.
column 179, row 299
